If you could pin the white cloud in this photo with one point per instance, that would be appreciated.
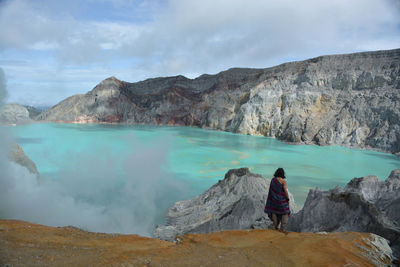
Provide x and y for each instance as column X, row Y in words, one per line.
column 256, row 33
column 3, row 92
column 196, row 37
column 42, row 45
column 232, row 32
column 21, row 26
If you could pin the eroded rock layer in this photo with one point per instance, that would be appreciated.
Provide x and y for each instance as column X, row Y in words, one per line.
column 351, row 100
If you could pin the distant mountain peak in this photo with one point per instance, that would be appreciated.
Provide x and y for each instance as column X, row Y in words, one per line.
column 112, row 78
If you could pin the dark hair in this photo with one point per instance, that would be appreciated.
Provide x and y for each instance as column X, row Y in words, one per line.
column 280, row 173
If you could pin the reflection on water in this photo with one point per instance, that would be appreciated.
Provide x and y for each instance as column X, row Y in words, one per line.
column 382, row 155
column 199, row 157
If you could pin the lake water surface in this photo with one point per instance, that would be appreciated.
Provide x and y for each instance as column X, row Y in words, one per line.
column 148, row 168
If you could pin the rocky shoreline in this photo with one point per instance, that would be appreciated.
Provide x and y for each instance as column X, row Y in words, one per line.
column 349, row 100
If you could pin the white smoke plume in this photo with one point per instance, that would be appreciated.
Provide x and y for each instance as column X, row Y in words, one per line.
column 88, row 192
column 4, row 139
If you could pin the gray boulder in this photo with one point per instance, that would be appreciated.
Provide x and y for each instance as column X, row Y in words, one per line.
column 385, row 195
column 366, row 204
column 237, row 202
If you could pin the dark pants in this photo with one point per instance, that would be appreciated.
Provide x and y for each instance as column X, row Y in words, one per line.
column 283, row 221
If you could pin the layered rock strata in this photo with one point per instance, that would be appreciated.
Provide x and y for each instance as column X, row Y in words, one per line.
column 366, row 204
column 25, row 244
column 351, row 100
column 235, row 202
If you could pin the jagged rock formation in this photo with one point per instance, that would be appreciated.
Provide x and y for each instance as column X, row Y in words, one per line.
column 18, row 156
column 14, row 114
column 233, row 203
column 384, row 194
column 366, row 204
column 23, row 244
column 351, row 100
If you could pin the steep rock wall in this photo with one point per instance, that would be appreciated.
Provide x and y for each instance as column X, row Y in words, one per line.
column 351, row 100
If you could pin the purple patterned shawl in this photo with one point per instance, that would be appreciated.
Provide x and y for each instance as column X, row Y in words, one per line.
column 276, row 201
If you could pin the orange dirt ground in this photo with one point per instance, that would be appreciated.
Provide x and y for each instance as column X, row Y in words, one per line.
column 27, row 244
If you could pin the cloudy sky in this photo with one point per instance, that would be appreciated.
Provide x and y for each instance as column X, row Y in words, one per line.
column 51, row 49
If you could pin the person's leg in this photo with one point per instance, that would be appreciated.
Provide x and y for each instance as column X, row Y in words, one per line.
column 275, row 220
column 285, row 219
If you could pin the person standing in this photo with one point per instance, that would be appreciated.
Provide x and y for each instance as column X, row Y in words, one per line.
column 277, row 206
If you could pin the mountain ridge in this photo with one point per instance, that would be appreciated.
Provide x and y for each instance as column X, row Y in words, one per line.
column 348, row 99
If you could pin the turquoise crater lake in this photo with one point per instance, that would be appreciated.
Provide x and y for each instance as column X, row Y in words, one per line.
column 148, row 168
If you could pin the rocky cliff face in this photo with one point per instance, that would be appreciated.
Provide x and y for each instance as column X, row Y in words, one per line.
column 351, row 100
column 366, row 204
column 14, row 114
column 233, row 203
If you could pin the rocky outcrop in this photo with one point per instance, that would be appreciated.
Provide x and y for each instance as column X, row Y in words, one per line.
column 18, row 156
column 26, row 244
column 384, row 194
column 14, row 114
column 366, row 204
column 351, row 100
column 235, row 202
